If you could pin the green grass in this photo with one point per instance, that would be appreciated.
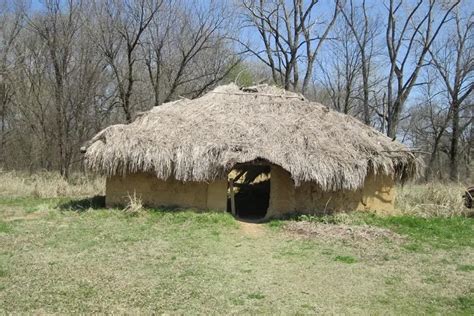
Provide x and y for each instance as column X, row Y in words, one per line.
column 29, row 202
column 466, row 267
column 62, row 256
column 456, row 231
column 256, row 296
column 4, row 227
column 466, row 303
column 345, row 259
column 276, row 224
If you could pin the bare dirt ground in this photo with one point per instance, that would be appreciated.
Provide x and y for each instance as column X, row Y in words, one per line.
column 252, row 229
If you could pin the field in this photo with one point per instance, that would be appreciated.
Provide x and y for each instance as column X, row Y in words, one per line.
column 61, row 252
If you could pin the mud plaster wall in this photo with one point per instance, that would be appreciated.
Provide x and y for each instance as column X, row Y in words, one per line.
column 378, row 195
column 155, row 192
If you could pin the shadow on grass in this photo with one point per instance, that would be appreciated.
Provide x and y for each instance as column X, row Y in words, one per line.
column 82, row 205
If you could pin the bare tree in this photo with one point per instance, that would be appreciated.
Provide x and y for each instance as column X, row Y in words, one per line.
column 453, row 58
column 289, row 34
column 61, row 72
column 58, row 32
column 11, row 23
column 340, row 71
column 78, row 66
column 122, row 25
column 155, row 48
column 429, row 120
column 408, row 44
column 364, row 30
column 188, row 49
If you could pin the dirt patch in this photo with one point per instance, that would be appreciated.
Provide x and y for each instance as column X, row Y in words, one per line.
column 252, row 229
column 341, row 232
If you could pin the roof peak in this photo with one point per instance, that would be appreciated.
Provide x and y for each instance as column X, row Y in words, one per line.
column 258, row 90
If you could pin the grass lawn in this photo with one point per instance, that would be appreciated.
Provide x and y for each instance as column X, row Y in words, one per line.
column 54, row 260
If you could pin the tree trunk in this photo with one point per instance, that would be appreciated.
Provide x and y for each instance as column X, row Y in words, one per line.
column 433, row 156
column 2, row 136
column 308, row 75
column 128, row 93
column 365, row 83
column 393, row 118
column 453, row 153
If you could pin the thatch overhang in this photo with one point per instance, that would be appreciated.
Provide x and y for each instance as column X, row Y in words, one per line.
column 204, row 138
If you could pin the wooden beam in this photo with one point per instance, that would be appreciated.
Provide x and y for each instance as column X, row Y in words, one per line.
column 239, row 176
column 232, row 196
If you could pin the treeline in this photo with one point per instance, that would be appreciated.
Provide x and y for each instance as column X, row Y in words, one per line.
column 69, row 68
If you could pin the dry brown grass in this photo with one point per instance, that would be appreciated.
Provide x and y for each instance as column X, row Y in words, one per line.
column 49, row 185
column 431, row 199
column 364, row 233
column 134, row 206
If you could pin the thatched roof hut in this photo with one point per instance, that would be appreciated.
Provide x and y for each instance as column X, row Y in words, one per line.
column 202, row 140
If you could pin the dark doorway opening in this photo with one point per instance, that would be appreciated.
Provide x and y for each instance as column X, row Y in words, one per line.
column 251, row 186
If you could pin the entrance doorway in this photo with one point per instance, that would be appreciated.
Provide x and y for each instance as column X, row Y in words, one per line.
column 249, row 191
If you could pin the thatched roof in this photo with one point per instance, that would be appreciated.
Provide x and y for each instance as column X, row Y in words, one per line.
column 202, row 139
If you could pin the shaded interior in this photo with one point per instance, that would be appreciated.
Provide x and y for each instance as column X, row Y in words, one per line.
column 251, row 191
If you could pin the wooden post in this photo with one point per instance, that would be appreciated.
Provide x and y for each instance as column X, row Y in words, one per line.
column 232, row 196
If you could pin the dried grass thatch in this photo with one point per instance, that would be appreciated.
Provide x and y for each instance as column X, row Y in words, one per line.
column 202, row 139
